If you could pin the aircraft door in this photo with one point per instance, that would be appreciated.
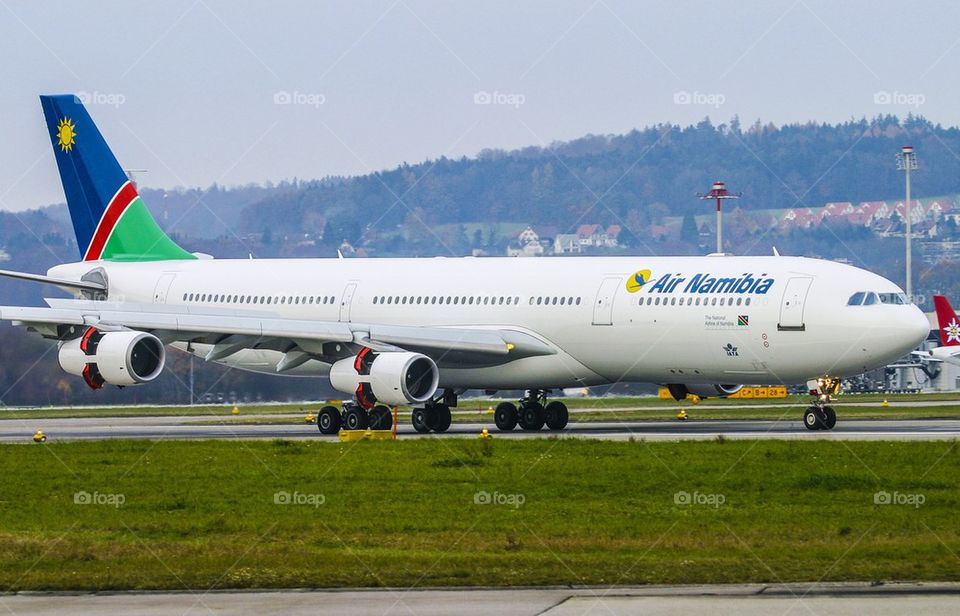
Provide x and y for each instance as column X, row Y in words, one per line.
column 163, row 288
column 791, row 307
column 603, row 305
column 346, row 301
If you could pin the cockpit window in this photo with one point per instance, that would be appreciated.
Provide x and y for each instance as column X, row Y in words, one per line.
column 856, row 299
column 893, row 298
column 871, row 299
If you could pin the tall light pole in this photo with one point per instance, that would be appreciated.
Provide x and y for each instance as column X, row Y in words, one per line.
column 719, row 192
column 907, row 162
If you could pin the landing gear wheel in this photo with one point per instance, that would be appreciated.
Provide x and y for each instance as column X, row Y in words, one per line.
column 556, row 415
column 505, row 416
column 381, row 418
column 328, row 420
column 812, row 419
column 355, row 419
column 830, row 419
column 532, row 416
column 442, row 418
column 419, row 420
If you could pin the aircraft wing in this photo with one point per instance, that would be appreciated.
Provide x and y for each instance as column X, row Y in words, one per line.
column 229, row 331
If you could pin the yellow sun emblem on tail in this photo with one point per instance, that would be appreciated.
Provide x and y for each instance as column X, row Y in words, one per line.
column 66, row 134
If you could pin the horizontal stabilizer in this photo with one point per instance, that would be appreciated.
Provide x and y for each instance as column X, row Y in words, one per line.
column 84, row 285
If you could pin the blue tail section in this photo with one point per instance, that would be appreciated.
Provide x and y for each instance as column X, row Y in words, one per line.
column 89, row 171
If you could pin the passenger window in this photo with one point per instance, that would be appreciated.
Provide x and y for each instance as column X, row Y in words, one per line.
column 747, row 302
column 578, row 301
column 856, row 299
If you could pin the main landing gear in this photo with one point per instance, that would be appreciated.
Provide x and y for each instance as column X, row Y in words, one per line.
column 354, row 417
column 533, row 414
column 435, row 415
column 821, row 416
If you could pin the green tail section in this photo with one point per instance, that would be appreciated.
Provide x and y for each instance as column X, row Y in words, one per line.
column 138, row 237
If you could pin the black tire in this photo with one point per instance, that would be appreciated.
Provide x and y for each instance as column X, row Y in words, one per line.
column 328, row 420
column 381, row 418
column 355, row 419
column 505, row 416
column 442, row 419
column 556, row 415
column 419, row 421
column 811, row 419
column 831, row 418
column 532, row 416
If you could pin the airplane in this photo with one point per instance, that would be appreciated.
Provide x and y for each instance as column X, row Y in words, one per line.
column 421, row 331
column 949, row 329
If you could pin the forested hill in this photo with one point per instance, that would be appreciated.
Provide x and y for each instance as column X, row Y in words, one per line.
column 639, row 176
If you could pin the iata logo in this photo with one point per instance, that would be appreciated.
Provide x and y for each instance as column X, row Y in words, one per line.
column 953, row 331
column 636, row 282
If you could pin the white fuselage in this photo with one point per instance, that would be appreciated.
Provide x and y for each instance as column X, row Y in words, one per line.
column 771, row 320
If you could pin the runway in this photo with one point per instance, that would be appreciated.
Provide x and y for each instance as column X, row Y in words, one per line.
column 748, row 600
column 203, row 427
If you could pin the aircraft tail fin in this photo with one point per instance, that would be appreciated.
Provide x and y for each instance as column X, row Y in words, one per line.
column 947, row 321
column 110, row 219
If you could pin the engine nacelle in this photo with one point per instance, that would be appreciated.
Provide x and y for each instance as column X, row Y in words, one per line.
column 679, row 391
column 117, row 358
column 388, row 378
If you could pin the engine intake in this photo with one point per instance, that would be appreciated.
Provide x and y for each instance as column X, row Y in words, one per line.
column 679, row 391
column 388, row 378
column 115, row 358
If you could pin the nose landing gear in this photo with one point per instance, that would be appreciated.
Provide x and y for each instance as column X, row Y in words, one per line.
column 820, row 415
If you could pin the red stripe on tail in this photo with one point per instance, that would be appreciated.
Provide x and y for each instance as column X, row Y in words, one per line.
column 115, row 209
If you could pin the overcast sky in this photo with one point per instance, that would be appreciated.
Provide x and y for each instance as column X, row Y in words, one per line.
column 203, row 91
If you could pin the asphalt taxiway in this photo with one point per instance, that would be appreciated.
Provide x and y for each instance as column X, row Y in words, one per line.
column 218, row 427
column 748, row 600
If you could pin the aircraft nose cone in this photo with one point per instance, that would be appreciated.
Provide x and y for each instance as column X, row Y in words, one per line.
column 915, row 328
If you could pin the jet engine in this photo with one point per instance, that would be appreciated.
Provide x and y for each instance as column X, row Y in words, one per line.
column 387, row 378
column 115, row 358
column 679, row 391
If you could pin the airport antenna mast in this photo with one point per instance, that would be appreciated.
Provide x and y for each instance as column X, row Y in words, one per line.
column 719, row 192
column 907, row 162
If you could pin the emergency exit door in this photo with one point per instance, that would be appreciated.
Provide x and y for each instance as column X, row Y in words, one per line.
column 603, row 305
column 791, row 307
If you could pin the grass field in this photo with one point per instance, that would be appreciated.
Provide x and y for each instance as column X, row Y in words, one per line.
column 199, row 515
